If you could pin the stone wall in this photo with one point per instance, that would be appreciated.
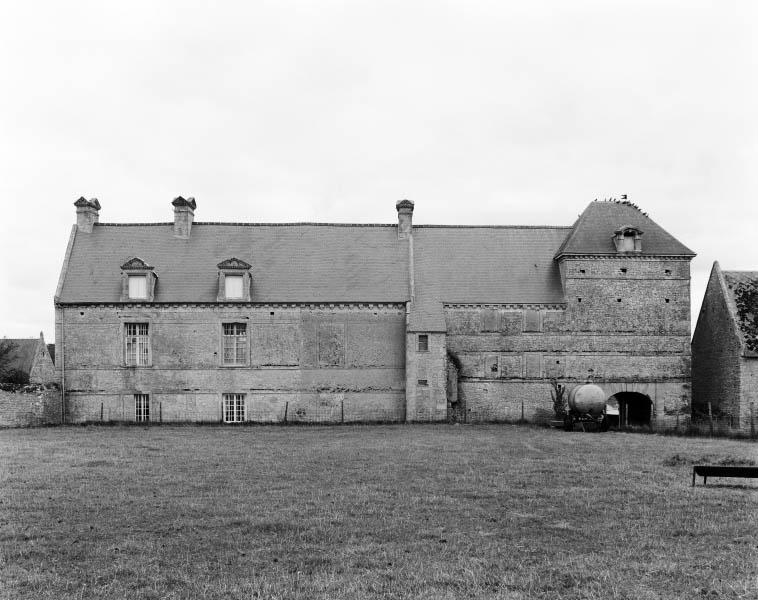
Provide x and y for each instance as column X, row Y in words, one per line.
column 29, row 405
column 307, row 363
column 716, row 350
column 625, row 324
column 426, row 378
column 748, row 415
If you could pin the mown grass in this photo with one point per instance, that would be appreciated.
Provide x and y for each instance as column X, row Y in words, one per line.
column 371, row 512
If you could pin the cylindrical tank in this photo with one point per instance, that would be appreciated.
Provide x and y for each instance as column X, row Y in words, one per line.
column 587, row 398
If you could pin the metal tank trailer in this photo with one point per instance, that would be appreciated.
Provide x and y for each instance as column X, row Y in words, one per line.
column 586, row 404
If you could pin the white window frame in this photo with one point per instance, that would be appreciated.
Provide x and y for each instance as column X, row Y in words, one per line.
column 142, row 408
column 137, row 344
column 233, row 408
column 234, row 343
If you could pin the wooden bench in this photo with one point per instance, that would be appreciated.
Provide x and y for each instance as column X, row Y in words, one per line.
column 706, row 471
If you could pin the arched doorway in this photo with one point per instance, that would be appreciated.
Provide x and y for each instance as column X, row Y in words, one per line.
column 634, row 409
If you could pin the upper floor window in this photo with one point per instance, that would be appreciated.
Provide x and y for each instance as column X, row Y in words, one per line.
column 628, row 239
column 233, row 287
column 138, row 280
column 138, row 287
column 423, row 342
column 136, row 344
column 234, row 280
column 235, row 344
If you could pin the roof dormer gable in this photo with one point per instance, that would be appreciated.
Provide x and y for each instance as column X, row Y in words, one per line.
column 628, row 238
column 234, row 280
column 138, row 281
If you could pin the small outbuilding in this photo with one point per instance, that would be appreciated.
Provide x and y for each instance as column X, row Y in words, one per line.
column 29, row 361
column 724, row 356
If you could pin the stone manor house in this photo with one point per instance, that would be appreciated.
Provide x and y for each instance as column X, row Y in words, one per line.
column 228, row 322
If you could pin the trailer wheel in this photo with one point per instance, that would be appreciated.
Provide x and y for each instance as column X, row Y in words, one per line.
column 568, row 423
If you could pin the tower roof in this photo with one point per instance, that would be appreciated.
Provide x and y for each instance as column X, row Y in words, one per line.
column 594, row 229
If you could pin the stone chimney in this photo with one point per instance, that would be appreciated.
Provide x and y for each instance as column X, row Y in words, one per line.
column 184, row 213
column 404, row 218
column 87, row 213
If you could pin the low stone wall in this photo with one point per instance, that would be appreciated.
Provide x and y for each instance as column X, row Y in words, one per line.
column 29, row 405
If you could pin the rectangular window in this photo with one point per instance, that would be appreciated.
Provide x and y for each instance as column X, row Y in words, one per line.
column 233, row 287
column 423, row 342
column 138, row 287
column 142, row 408
column 137, row 344
column 235, row 343
column 234, row 408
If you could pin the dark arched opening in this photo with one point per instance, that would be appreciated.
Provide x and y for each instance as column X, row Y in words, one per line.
column 456, row 407
column 634, row 409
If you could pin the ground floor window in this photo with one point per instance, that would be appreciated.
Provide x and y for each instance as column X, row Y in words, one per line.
column 142, row 407
column 234, row 408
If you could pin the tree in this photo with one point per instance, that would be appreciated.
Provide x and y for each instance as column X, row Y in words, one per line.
column 746, row 297
column 7, row 351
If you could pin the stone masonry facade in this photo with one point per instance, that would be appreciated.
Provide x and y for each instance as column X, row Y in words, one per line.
column 624, row 330
column 209, row 322
column 725, row 371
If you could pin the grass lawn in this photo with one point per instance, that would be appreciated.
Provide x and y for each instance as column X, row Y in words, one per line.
column 351, row 512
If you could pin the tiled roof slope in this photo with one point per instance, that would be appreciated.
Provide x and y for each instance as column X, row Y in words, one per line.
column 593, row 232
column 290, row 263
column 732, row 280
column 502, row 265
column 22, row 358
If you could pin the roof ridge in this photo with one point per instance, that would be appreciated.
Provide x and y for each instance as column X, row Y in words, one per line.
column 241, row 224
column 492, row 226
column 314, row 224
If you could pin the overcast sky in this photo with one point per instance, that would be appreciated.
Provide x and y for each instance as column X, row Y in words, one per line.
column 480, row 112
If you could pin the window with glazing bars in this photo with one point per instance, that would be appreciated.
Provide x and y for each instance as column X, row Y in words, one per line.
column 235, row 343
column 234, row 408
column 142, row 407
column 137, row 344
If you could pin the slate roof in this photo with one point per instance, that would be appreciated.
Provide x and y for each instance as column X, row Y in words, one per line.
column 593, row 232
column 290, row 263
column 732, row 280
column 51, row 352
column 23, row 357
column 309, row 262
column 501, row 265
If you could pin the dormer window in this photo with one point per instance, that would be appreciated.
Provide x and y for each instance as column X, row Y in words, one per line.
column 628, row 239
column 233, row 287
column 234, row 281
column 137, row 287
column 137, row 281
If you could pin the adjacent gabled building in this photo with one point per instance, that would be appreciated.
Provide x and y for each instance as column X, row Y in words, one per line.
column 364, row 322
column 30, row 361
column 724, row 368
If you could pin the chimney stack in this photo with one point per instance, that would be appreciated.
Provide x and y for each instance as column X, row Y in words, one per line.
column 184, row 213
column 86, row 213
column 404, row 218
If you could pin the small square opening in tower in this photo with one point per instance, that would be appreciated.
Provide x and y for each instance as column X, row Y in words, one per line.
column 423, row 342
